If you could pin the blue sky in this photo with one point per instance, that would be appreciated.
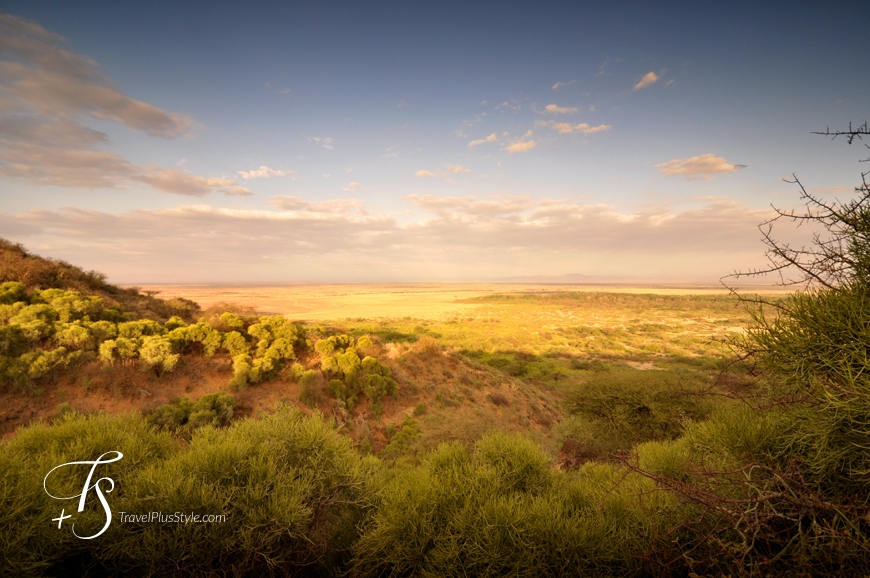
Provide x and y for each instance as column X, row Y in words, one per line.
column 371, row 142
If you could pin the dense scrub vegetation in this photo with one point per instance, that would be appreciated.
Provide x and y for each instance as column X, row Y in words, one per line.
column 293, row 492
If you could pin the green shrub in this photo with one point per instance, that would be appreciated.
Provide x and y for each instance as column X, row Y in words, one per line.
column 402, row 439
column 627, row 406
column 344, row 394
column 502, row 511
column 12, row 341
column 102, row 330
column 310, row 392
column 174, row 322
column 232, row 321
column 156, row 353
column 12, row 292
column 136, row 329
column 32, row 546
column 171, row 415
column 235, row 343
column 349, row 363
column 41, row 363
column 72, row 335
column 268, row 330
column 241, row 371
column 209, row 338
column 292, row 491
column 213, row 409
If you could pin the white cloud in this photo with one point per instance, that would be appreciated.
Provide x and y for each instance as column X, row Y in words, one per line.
column 181, row 183
column 565, row 128
column 237, row 191
column 514, row 106
column 701, row 166
column 443, row 172
column 559, row 85
column 522, row 145
column 648, row 79
column 457, row 206
column 555, row 109
column 265, row 172
column 456, row 169
column 353, row 187
column 333, row 206
column 322, row 141
column 480, row 141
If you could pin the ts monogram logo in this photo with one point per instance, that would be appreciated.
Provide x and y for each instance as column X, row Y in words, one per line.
column 86, row 488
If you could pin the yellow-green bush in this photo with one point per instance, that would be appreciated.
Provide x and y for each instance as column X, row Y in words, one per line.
column 293, row 493
column 502, row 511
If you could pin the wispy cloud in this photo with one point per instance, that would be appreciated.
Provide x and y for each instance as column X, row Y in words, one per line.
column 268, row 86
column 45, row 88
column 265, row 172
column 443, row 172
column 648, row 79
column 353, row 187
column 514, row 106
column 322, row 141
column 559, row 85
column 565, row 128
column 333, row 206
column 51, row 81
column 480, row 141
column 522, row 145
column 556, row 109
column 182, row 183
column 701, row 166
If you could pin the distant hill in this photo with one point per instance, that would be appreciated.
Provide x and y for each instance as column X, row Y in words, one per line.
column 17, row 264
column 581, row 279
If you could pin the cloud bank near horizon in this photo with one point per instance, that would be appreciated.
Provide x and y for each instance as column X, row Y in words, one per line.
column 506, row 235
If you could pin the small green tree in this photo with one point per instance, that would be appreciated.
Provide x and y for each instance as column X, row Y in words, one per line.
column 156, row 353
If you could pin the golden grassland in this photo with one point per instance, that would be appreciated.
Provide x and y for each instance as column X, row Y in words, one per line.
column 620, row 320
column 512, row 354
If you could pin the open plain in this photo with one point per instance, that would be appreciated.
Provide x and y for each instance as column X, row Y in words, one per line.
column 424, row 301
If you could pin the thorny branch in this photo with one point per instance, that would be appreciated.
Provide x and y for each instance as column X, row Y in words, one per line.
column 829, row 260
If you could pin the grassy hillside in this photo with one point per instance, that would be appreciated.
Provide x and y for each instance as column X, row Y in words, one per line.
column 38, row 273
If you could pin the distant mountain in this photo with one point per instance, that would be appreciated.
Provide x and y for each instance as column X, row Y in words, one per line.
column 581, row 279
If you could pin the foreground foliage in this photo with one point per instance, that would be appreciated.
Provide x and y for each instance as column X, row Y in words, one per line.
column 299, row 500
column 293, row 492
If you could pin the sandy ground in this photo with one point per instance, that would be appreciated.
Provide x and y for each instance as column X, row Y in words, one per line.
column 423, row 301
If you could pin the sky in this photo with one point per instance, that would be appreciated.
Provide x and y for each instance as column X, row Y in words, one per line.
column 359, row 142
